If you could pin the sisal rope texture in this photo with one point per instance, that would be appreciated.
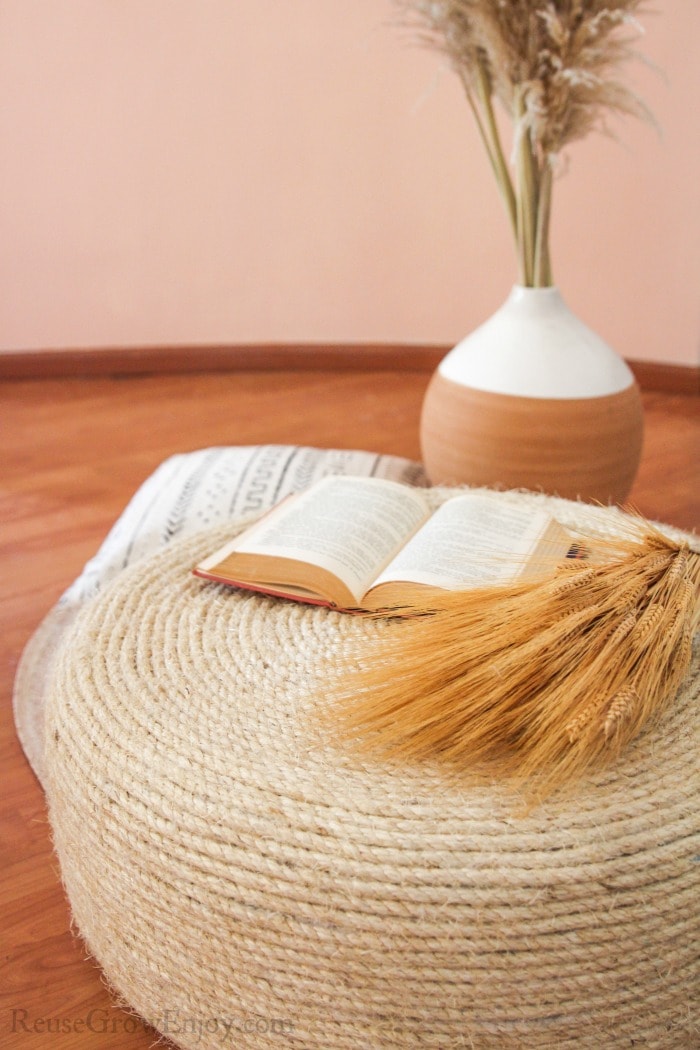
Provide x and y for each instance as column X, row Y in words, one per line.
column 229, row 864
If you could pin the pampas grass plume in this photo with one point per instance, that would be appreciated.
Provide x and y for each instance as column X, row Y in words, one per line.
column 554, row 68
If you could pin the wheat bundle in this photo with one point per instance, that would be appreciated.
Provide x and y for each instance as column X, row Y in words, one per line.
column 539, row 681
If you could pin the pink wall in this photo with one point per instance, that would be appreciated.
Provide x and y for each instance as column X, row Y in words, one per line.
column 234, row 171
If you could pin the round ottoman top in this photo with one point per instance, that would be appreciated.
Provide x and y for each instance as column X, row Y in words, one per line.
column 243, row 881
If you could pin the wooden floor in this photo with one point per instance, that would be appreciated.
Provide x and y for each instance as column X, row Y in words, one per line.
column 71, row 454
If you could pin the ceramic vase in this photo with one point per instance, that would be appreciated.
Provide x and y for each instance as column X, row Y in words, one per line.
column 534, row 399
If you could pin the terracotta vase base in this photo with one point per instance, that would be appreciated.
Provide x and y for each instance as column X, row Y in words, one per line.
column 578, row 448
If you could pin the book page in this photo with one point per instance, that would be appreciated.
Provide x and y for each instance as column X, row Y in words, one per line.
column 469, row 541
column 350, row 526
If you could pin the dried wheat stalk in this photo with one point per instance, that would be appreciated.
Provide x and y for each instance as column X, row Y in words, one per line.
column 537, row 682
column 554, row 67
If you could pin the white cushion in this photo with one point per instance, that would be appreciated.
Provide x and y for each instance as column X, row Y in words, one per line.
column 188, row 492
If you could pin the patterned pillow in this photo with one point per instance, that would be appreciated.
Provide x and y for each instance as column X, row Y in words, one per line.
column 185, row 494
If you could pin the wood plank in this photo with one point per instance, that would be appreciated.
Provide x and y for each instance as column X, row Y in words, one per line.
column 667, row 379
column 124, row 361
column 72, row 453
column 106, row 361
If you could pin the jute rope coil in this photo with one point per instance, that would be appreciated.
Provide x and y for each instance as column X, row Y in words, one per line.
column 244, row 882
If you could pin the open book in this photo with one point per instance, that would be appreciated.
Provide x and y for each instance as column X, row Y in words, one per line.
column 366, row 543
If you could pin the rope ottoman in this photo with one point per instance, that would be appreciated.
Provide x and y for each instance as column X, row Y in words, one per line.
column 239, row 877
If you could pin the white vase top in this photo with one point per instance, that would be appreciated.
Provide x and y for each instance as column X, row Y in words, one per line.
column 534, row 346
